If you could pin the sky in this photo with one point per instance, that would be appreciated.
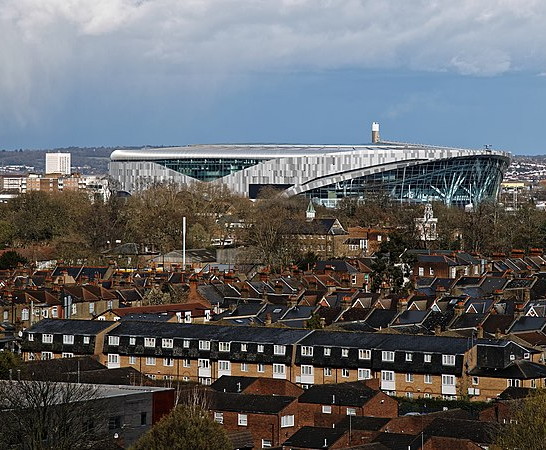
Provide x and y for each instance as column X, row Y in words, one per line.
column 86, row 73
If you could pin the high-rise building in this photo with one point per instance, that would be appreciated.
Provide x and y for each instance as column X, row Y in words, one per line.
column 57, row 163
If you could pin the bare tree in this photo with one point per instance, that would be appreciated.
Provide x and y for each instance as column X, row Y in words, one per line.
column 40, row 415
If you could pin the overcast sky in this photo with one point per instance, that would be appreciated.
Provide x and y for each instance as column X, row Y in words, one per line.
column 173, row 72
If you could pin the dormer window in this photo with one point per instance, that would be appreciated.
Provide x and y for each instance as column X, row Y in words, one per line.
column 223, row 346
column 306, row 350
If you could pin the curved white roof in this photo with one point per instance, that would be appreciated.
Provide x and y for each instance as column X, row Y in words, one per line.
column 271, row 151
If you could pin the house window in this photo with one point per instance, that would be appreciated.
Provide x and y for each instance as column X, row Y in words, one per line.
column 364, row 374
column 223, row 365
column 326, row 409
column 91, row 307
column 149, row 342
column 344, row 352
column 512, row 382
column 24, row 314
column 150, row 361
column 113, row 340
column 223, row 346
column 243, row 347
column 345, row 373
column 261, row 368
column 427, row 357
column 431, row 271
column 427, row 378
column 109, row 304
column 203, row 363
column 47, row 338
column 387, row 356
column 364, row 354
column 279, row 349
column 167, row 343
column 279, row 369
column 241, row 420
column 54, row 312
column 327, row 372
column 267, row 443
column 31, row 337
column 287, row 421
column 44, row 313
column 68, row 339
column 114, row 422
column 113, row 358
column 351, row 411
column 527, row 356
column 186, row 343
column 327, row 351
column 409, row 378
column 475, row 381
column 448, row 380
column 74, row 309
column 409, row 357
column 260, row 348
column 421, row 271
column 204, row 345
column 306, row 351
column 132, row 360
column 533, row 384
column 67, row 355
column 244, row 367
column 448, row 360
column 132, row 341
column 47, row 355
column 306, row 370
column 387, row 375
column 168, row 362
column 409, row 394
column 143, row 418
column 219, row 417
column 86, row 339
column 186, row 363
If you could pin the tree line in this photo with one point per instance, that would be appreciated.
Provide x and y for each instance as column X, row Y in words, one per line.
column 80, row 228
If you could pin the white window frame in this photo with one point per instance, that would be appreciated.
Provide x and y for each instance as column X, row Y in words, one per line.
column 287, row 421
column 31, row 337
column 409, row 357
column 46, row 355
column 242, row 420
column 149, row 342
column 279, row 369
column 427, row 358
column 279, row 349
column 344, row 352
column 150, row 360
column 186, row 363
column 448, row 360
column 219, row 417
column 132, row 360
column 91, row 307
column 244, row 367
column 387, row 375
column 364, row 353
column 132, row 340
column 113, row 358
column 427, row 378
column 267, row 443
column 364, row 374
column 327, row 351
column 67, row 355
column 25, row 314
column 409, row 377
column 186, row 343
column 260, row 348
column 306, row 350
column 326, row 409
column 327, row 371
column 261, row 368
column 113, row 340
column 168, row 362
column 387, row 356
column 351, row 411
column 306, row 370
column 224, row 365
column 345, row 373
column 47, row 338
column 86, row 339
column 68, row 339
column 244, row 347
column 204, row 345
column 167, row 343
column 448, row 380
column 224, row 346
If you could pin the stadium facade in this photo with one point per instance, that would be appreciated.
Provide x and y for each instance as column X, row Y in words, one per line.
column 324, row 173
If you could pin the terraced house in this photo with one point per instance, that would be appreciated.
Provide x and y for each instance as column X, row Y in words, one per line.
column 405, row 365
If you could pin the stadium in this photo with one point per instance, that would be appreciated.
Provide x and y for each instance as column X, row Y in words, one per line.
column 324, row 173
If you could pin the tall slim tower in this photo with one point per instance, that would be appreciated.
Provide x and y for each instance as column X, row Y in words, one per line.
column 58, row 163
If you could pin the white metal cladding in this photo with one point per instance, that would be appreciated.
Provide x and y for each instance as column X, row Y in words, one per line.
column 302, row 167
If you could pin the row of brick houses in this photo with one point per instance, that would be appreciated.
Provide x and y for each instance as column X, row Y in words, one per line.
column 411, row 366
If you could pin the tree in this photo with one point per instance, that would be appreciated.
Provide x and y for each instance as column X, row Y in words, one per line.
column 9, row 363
column 186, row 427
column 527, row 429
column 10, row 260
column 40, row 415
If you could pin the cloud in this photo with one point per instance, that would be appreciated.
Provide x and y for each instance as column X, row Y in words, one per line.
column 48, row 47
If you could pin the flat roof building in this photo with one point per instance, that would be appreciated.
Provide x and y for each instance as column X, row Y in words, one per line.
column 324, row 173
column 58, row 163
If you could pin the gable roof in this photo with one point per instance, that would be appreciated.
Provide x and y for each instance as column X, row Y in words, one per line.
column 346, row 394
